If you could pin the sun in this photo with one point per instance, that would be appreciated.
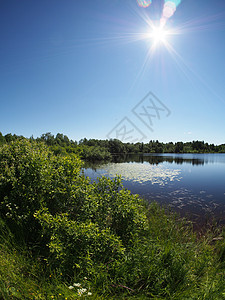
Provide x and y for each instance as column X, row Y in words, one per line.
column 158, row 35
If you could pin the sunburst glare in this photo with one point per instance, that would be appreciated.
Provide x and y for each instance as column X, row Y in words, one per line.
column 158, row 35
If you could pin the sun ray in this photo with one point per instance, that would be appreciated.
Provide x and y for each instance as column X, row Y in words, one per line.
column 191, row 74
column 145, row 65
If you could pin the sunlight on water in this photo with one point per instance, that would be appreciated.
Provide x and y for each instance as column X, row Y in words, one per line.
column 143, row 173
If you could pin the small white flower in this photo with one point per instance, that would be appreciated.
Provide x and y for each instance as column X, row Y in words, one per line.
column 71, row 287
column 89, row 293
column 81, row 291
column 77, row 284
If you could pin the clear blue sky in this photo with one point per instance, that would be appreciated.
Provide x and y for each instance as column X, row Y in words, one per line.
column 75, row 67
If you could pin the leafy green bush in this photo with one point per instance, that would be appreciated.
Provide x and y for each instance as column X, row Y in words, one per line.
column 31, row 177
column 116, row 208
column 79, row 247
column 102, row 219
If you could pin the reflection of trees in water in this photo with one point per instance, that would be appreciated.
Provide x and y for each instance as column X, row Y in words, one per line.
column 156, row 159
column 91, row 165
column 151, row 159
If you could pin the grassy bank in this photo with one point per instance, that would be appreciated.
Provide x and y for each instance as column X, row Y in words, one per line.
column 63, row 237
column 170, row 263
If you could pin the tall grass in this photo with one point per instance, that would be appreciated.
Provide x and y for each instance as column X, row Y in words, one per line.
column 169, row 262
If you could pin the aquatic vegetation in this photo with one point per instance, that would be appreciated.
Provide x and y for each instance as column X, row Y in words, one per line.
column 142, row 173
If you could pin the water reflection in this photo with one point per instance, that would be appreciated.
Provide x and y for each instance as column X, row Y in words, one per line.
column 192, row 184
column 155, row 159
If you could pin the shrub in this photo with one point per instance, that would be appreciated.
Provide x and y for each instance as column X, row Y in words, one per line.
column 31, row 177
column 83, row 219
column 79, row 247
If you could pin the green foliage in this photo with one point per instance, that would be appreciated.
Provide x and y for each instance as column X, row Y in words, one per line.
column 2, row 139
column 94, row 150
column 110, row 205
column 94, row 153
column 102, row 221
column 25, row 277
column 99, row 231
column 31, row 177
column 80, row 247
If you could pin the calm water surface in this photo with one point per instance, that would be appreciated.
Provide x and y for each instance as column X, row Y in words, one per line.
column 192, row 184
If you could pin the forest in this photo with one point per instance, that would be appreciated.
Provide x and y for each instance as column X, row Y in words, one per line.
column 65, row 237
column 94, row 149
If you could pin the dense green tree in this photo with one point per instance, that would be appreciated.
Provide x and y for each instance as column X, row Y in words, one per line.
column 179, row 147
column 169, row 148
column 221, row 148
column 48, row 138
column 9, row 137
column 62, row 139
column 116, row 146
column 198, row 146
column 2, row 139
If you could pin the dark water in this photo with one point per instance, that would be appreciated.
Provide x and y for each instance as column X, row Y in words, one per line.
column 191, row 184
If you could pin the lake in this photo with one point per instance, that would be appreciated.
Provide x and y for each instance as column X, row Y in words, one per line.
column 191, row 184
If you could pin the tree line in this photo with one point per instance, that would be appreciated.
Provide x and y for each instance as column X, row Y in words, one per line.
column 94, row 149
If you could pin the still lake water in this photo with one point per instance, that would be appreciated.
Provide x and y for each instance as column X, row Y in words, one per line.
column 191, row 184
